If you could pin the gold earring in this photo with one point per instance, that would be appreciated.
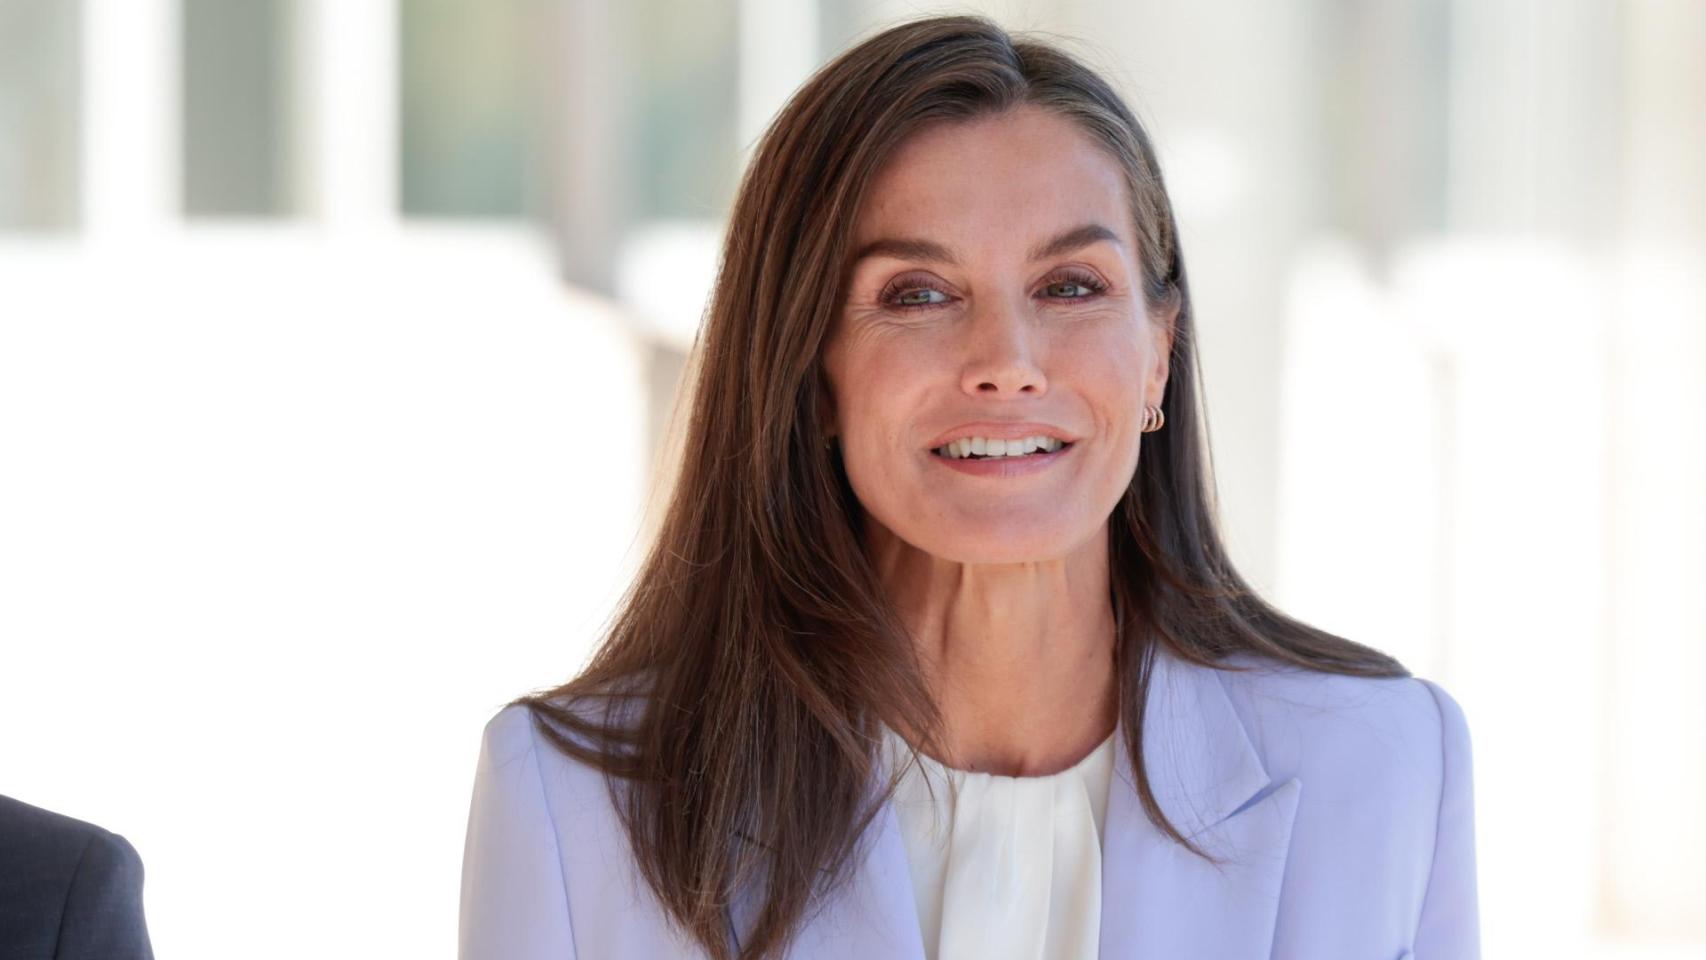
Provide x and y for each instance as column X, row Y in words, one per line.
column 1153, row 418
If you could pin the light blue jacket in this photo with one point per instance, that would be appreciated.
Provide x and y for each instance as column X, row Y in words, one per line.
column 1346, row 802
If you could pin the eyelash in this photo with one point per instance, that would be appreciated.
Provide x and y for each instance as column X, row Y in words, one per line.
column 892, row 293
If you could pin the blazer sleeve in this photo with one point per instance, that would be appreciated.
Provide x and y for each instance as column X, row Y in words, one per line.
column 515, row 903
column 103, row 909
column 1450, row 922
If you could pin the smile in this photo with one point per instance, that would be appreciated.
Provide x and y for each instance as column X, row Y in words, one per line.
column 969, row 447
column 1004, row 464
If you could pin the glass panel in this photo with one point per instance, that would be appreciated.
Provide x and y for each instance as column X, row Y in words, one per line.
column 687, row 71
column 236, row 96
column 40, row 114
column 463, row 93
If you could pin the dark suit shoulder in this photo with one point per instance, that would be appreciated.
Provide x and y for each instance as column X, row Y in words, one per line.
column 40, row 843
column 68, row 888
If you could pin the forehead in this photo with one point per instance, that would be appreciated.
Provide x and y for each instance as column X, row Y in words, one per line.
column 1017, row 173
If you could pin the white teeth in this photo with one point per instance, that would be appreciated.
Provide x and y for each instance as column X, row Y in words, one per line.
column 984, row 446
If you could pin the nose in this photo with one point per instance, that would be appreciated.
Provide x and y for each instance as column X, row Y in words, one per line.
column 1001, row 353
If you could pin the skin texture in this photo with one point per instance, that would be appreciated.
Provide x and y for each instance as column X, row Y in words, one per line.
column 1002, row 581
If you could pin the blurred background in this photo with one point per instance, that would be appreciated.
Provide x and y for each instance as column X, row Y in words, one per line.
column 338, row 339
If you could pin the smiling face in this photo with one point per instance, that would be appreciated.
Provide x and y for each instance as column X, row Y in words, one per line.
column 999, row 295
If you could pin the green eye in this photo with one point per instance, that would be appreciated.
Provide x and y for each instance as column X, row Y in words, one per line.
column 906, row 299
column 916, row 294
column 1083, row 281
column 905, row 296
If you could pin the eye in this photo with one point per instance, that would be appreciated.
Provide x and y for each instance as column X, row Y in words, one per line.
column 1077, row 278
column 902, row 294
column 913, row 293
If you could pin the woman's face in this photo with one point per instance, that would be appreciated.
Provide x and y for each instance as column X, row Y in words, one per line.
column 995, row 294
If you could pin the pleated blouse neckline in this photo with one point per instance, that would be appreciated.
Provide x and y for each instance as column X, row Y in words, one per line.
column 1004, row 866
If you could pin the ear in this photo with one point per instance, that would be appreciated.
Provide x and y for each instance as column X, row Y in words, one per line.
column 1163, row 324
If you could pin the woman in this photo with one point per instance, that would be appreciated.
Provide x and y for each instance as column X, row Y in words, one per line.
column 944, row 520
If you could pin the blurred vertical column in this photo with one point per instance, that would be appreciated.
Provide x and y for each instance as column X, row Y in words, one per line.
column 1513, row 301
column 1518, row 301
column 1572, row 327
column 642, row 152
column 742, row 61
column 131, row 119
column 347, row 107
column 1363, row 479
column 40, row 114
column 239, row 156
column 778, row 50
column 581, row 47
column 1654, row 662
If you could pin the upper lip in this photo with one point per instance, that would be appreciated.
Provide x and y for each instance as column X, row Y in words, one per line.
column 1002, row 430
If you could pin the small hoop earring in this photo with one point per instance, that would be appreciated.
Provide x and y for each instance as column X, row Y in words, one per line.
column 1153, row 419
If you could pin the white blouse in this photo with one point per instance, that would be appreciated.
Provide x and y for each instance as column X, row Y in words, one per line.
column 1004, row 866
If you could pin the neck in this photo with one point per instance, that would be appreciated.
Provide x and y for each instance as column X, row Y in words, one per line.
column 1020, row 656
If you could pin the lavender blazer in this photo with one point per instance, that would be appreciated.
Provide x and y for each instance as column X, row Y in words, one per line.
column 1346, row 804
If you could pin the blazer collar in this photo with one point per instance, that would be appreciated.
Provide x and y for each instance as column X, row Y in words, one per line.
column 1158, row 899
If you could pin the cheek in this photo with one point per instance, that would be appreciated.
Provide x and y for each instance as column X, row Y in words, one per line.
column 1109, row 366
column 877, row 385
column 877, row 406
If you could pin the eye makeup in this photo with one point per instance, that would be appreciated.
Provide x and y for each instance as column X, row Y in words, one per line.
column 893, row 294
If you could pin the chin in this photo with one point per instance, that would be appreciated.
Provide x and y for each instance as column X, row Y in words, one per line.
column 995, row 548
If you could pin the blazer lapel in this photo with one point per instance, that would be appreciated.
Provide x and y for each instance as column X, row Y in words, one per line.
column 1160, row 900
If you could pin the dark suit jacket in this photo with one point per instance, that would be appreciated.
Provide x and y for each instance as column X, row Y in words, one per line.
column 68, row 889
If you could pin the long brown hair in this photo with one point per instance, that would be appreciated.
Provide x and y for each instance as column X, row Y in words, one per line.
column 743, row 675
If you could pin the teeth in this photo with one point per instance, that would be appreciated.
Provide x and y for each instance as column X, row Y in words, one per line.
column 984, row 446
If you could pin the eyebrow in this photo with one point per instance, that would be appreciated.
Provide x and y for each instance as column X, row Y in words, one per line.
column 909, row 248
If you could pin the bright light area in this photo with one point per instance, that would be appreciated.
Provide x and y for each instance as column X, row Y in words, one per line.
column 281, row 524
column 1492, row 470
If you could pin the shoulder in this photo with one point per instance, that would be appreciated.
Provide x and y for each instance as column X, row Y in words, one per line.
column 520, row 745
column 36, row 840
column 1385, row 809
column 80, row 885
column 508, row 736
column 1269, row 694
column 546, row 843
column 1348, row 734
column 531, row 796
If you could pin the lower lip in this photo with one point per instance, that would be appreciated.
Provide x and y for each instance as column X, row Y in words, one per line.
column 1004, row 466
